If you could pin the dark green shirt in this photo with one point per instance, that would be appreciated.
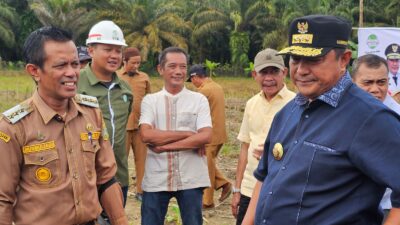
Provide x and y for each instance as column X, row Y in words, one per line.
column 115, row 100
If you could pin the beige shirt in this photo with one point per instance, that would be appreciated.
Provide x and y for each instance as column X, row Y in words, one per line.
column 175, row 170
column 140, row 85
column 257, row 120
column 49, row 168
column 215, row 97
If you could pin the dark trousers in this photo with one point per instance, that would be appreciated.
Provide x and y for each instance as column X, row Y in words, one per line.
column 124, row 193
column 243, row 205
column 155, row 206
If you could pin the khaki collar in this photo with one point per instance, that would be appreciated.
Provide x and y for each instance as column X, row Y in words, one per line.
column 47, row 113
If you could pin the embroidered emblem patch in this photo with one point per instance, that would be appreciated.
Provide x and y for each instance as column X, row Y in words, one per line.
column 4, row 137
column 43, row 174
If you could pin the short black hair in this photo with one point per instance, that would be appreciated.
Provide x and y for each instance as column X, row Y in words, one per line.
column 370, row 61
column 339, row 52
column 33, row 49
column 162, row 58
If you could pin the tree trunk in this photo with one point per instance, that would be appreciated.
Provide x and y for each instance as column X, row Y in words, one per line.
column 361, row 19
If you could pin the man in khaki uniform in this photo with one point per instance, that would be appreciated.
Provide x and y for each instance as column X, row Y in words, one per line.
column 140, row 85
column 215, row 97
column 56, row 162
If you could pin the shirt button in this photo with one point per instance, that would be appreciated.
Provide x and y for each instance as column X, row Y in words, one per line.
column 70, row 150
column 306, row 116
column 295, row 142
column 78, row 202
column 270, row 193
column 283, row 167
column 75, row 176
column 264, row 221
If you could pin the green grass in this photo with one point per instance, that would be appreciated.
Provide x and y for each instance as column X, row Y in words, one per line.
column 15, row 86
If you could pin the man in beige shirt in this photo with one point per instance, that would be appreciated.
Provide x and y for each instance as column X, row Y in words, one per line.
column 216, row 100
column 56, row 163
column 269, row 72
column 140, row 85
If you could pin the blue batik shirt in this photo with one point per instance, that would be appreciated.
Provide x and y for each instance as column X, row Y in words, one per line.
column 339, row 153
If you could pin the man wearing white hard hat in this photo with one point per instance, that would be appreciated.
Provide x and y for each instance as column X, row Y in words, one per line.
column 105, row 42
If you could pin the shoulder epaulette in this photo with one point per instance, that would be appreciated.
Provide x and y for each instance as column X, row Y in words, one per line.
column 86, row 100
column 17, row 112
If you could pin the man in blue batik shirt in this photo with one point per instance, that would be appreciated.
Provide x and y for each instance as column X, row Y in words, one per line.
column 329, row 154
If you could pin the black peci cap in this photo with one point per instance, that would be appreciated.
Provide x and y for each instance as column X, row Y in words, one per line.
column 83, row 53
column 316, row 35
column 196, row 69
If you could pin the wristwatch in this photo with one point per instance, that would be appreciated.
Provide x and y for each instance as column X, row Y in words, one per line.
column 235, row 190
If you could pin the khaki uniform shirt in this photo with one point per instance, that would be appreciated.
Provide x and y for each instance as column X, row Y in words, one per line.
column 215, row 97
column 140, row 85
column 50, row 169
column 257, row 120
column 115, row 103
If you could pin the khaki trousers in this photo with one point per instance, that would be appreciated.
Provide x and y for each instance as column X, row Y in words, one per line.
column 217, row 179
column 139, row 154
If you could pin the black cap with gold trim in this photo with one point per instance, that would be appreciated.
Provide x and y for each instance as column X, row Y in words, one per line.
column 393, row 51
column 316, row 35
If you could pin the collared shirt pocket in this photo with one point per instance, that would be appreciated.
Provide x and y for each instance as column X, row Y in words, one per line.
column 89, row 150
column 325, row 161
column 41, row 166
column 186, row 121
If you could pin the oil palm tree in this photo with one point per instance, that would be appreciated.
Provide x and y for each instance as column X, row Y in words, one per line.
column 64, row 14
column 151, row 31
column 210, row 36
column 8, row 20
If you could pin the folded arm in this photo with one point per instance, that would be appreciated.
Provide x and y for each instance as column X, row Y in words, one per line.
column 161, row 141
column 158, row 137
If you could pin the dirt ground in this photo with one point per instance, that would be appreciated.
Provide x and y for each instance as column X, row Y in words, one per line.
column 221, row 215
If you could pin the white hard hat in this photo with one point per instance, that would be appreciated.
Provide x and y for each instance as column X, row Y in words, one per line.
column 106, row 32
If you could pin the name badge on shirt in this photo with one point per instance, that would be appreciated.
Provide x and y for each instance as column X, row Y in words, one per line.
column 90, row 136
column 50, row 145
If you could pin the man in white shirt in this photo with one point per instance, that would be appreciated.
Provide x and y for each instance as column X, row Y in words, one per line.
column 176, row 125
column 392, row 53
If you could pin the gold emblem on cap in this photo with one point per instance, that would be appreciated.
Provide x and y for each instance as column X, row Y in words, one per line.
column 43, row 174
column 302, row 27
column 277, row 151
column 394, row 48
column 89, row 127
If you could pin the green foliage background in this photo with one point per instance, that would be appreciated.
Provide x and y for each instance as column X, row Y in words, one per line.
column 224, row 31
